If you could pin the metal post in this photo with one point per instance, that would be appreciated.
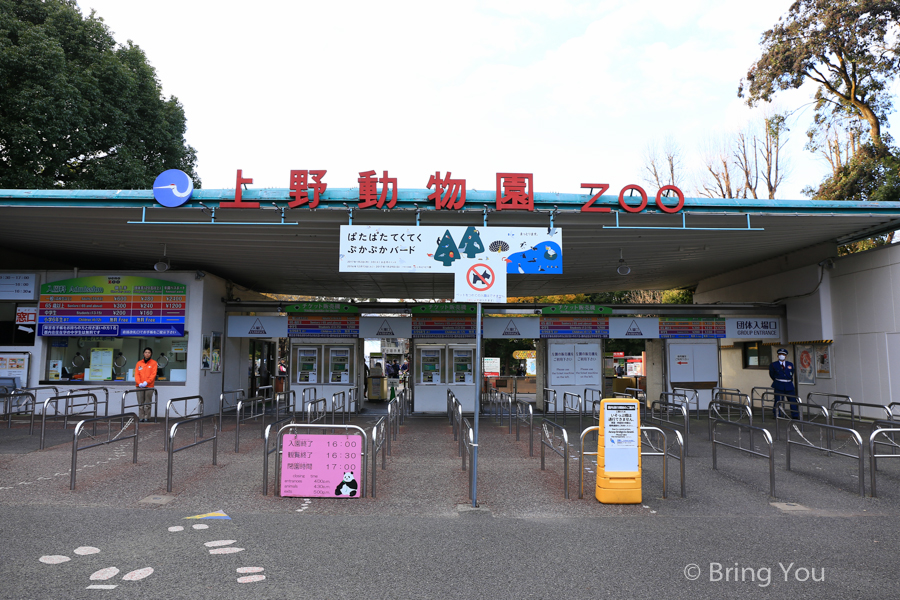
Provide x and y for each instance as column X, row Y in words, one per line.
column 478, row 378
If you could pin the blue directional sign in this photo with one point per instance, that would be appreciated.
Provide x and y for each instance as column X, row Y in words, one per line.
column 173, row 188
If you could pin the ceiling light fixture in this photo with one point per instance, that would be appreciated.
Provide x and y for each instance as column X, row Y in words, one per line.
column 163, row 264
column 622, row 269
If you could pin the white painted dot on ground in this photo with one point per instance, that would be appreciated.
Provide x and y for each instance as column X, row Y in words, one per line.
column 251, row 578
column 53, row 559
column 230, row 550
column 200, row 526
column 98, row 586
column 219, row 543
column 104, row 574
column 176, row 528
column 250, row 570
column 85, row 550
column 138, row 574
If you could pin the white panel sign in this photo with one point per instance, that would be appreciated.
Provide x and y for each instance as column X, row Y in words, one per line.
column 753, row 328
column 562, row 364
column 706, row 362
column 18, row 286
column 262, row 327
column 26, row 318
column 15, row 365
column 587, row 364
column 385, row 327
column 482, row 281
column 528, row 328
column 637, row 327
column 620, row 434
column 432, row 249
column 491, row 366
column 681, row 362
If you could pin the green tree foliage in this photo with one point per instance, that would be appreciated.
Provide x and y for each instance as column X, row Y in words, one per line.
column 79, row 110
column 850, row 48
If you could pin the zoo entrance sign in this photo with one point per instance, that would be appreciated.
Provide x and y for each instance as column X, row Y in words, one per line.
column 514, row 191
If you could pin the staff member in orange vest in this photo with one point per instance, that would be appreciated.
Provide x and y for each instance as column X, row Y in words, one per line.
column 144, row 376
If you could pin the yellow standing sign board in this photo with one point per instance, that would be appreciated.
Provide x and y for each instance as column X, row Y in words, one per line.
column 619, row 452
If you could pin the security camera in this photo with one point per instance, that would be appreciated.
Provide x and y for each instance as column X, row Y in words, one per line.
column 200, row 275
column 161, row 266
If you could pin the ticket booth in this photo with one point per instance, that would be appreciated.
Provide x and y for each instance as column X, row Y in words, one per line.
column 329, row 367
column 438, row 367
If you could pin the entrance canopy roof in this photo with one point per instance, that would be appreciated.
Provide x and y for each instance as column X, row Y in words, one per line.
column 277, row 249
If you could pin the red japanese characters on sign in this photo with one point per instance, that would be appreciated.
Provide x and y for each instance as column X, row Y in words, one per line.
column 300, row 187
column 238, row 190
column 515, row 191
column 448, row 193
column 368, row 192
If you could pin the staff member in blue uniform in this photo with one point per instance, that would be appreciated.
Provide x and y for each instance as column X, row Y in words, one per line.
column 782, row 374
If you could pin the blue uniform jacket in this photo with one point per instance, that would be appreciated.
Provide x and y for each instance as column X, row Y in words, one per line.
column 776, row 371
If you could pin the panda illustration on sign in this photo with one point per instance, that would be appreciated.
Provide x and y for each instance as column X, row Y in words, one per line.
column 347, row 485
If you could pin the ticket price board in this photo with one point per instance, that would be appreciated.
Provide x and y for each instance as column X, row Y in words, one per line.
column 443, row 327
column 321, row 466
column 691, row 328
column 312, row 326
column 115, row 306
column 574, row 327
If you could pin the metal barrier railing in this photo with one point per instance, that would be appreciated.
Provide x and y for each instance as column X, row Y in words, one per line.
column 105, row 391
column 715, row 412
column 289, row 399
column 823, row 428
column 662, row 451
column 592, row 395
column 197, row 422
column 393, row 422
column 828, row 398
column 12, row 401
column 228, row 400
column 767, row 437
column 756, row 396
column 307, row 395
column 572, row 402
column 256, row 407
column 730, row 396
column 267, row 435
column 855, row 411
column 452, row 403
column 110, row 438
column 317, row 410
column 154, row 401
column 547, row 442
column 550, row 398
column 874, row 456
column 308, row 427
column 169, row 409
column 37, row 390
column 665, row 409
column 725, row 390
column 379, row 432
column 505, row 401
column 65, row 414
column 891, row 408
column 73, row 408
column 525, row 414
column 805, row 413
column 469, row 437
column 775, row 398
column 339, row 405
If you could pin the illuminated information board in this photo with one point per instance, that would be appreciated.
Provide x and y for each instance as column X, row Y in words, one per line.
column 691, row 327
column 111, row 305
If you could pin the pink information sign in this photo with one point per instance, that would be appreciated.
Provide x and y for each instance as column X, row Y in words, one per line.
column 321, row 466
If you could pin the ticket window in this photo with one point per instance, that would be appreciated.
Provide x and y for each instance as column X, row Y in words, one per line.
column 308, row 365
column 463, row 361
column 428, row 365
column 340, row 365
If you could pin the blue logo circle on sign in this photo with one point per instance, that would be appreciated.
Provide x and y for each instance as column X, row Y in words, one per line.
column 173, row 188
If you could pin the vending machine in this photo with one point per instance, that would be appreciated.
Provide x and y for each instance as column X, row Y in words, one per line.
column 339, row 366
column 463, row 361
column 429, row 367
column 307, row 365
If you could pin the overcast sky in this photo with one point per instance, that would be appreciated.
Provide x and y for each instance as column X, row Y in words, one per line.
column 571, row 91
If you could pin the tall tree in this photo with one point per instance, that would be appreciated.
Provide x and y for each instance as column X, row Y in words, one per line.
column 78, row 109
column 850, row 48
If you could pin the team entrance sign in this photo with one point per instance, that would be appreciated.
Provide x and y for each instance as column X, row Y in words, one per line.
column 478, row 257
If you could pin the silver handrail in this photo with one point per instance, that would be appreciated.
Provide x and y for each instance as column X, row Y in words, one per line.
column 756, row 394
column 547, row 402
column 715, row 412
column 198, row 424
column 469, row 436
column 12, row 404
column 822, row 427
column 290, row 401
column 93, row 389
column 307, row 395
column 70, row 405
column 257, row 405
column 65, row 415
column 803, row 416
column 184, row 399
column 234, row 396
column 835, row 412
column 671, row 407
column 154, row 400
column 132, row 418
column 506, row 400
column 664, row 452
column 525, row 414
column 776, row 398
column 319, row 408
column 547, row 442
column 692, row 397
column 266, row 451
column 767, row 437
column 378, row 444
column 828, row 397
column 347, row 428
column 874, row 457
column 574, row 402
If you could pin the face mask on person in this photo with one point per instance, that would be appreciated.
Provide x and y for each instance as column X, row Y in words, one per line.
column 781, row 357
